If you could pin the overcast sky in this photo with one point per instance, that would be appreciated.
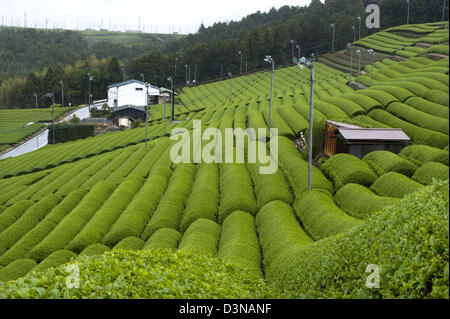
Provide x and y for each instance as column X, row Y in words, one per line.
column 155, row 16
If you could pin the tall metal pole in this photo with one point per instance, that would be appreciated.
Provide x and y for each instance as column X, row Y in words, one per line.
column 62, row 93
column 240, row 65
column 231, row 85
column 221, row 70
column 358, row 52
column 372, row 53
column 443, row 11
column 53, row 96
column 310, row 144
column 37, row 118
column 313, row 57
column 293, row 50
column 186, row 67
column 359, row 28
column 172, row 111
column 246, row 68
column 354, row 34
column 146, row 115
column 271, row 90
column 298, row 47
column 350, row 47
column 195, row 74
column 172, row 89
column 407, row 17
column 189, row 74
column 332, row 43
column 164, row 98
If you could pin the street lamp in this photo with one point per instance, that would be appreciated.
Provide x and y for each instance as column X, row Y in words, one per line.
column 240, row 67
column 372, row 53
column 358, row 52
column 298, row 53
column 164, row 97
column 354, row 34
column 350, row 47
column 91, row 78
column 146, row 114
column 293, row 54
column 443, row 11
column 269, row 59
column 186, row 67
column 231, row 85
column 35, row 97
column 52, row 95
column 313, row 57
column 303, row 62
column 332, row 43
column 359, row 28
column 407, row 17
column 62, row 93
column 172, row 111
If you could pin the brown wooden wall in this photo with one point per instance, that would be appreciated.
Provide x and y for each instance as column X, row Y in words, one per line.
column 330, row 140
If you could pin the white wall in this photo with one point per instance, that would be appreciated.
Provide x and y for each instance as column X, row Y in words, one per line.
column 129, row 95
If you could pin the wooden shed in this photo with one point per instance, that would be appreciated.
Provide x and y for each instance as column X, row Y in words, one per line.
column 129, row 112
column 358, row 141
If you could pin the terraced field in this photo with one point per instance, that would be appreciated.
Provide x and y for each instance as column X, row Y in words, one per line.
column 108, row 192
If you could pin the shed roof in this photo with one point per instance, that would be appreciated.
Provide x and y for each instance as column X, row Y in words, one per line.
column 374, row 134
column 339, row 124
column 124, row 107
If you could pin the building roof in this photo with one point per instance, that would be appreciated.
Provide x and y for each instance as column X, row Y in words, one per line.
column 124, row 107
column 339, row 124
column 374, row 134
column 129, row 82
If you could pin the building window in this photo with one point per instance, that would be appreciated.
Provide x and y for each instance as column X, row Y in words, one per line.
column 139, row 89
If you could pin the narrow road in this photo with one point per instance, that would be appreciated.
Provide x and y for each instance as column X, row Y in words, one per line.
column 42, row 139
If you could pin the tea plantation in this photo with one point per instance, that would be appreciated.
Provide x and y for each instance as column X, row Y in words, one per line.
column 114, row 207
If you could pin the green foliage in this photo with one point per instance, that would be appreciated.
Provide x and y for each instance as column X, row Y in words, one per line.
column 16, row 269
column 164, row 238
column 239, row 244
column 201, row 237
column 320, row 216
column 437, row 97
column 10, row 215
column 65, row 133
column 94, row 249
column 190, row 276
column 429, row 171
column 55, row 259
column 421, row 154
column 348, row 106
column 296, row 122
column 429, row 107
column 411, row 263
column 278, row 229
column 343, row 169
column 384, row 161
column 360, row 202
column 130, row 243
column 395, row 185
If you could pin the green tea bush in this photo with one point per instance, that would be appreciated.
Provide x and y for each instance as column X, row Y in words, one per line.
column 32, row 238
column 278, row 229
column 360, row 202
column 437, row 97
column 277, row 121
column 421, row 154
column 345, row 168
column 429, row 171
column 10, row 215
column 239, row 244
column 384, row 98
column 441, row 49
column 203, row 202
column 16, row 269
column 94, row 249
column 348, row 106
column 296, row 169
column 320, row 216
column 170, row 208
column 417, row 134
column 74, row 222
column 419, row 118
column 329, row 110
column 137, row 214
column 201, row 237
column 428, row 107
column 412, row 264
column 364, row 101
column 55, row 259
column 164, row 238
column 130, row 243
column 400, row 93
column 191, row 276
column 384, row 161
column 297, row 123
column 98, row 226
column 236, row 190
column 395, row 185
column 28, row 220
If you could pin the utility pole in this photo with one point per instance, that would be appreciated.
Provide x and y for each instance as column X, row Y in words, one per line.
column 221, row 69
column 293, row 53
column 354, row 34
column 37, row 117
column 350, row 47
column 53, row 96
column 269, row 59
column 172, row 113
column 231, row 86
column 91, row 78
column 62, row 93
column 146, row 115
column 359, row 28
column 372, row 53
column 407, row 17
column 332, row 43
column 195, row 74
column 240, row 67
column 443, row 11
column 189, row 74
column 298, row 53
column 358, row 52
column 172, row 93
column 186, row 67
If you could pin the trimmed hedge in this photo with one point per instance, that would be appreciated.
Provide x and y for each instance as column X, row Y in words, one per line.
column 10, row 215
column 364, row 101
column 347, row 105
column 32, row 238
column 429, row 171
column 94, row 249
column 412, row 265
column 66, row 132
column 400, row 93
column 384, row 161
column 130, row 243
column 421, row 154
column 167, row 238
column 74, row 222
column 201, row 237
column 329, row 110
column 55, row 259
column 203, row 202
column 428, row 107
column 297, row 123
column 384, row 98
column 296, row 169
column 236, row 190
column 190, row 276
column 395, row 185
column 345, row 168
column 99, row 225
column 360, row 202
column 239, row 244
column 278, row 230
column 170, row 208
column 16, row 269
column 437, row 97
column 320, row 216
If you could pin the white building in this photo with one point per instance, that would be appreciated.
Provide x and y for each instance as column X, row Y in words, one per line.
column 131, row 92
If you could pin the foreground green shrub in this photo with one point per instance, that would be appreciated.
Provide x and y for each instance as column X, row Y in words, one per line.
column 201, row 237
column 189, row 276
column 320, row 216
column 12, row 213
column 409, row 246
column 94, row 249
column 345, row 168
column 429, row 171
column 360, row 202
column 239, row 243
column 57, row 258
column 16, row 269
column 396, row 185
column 130, row 243
column 421, row 154
column 384, row 161
column 164, row 238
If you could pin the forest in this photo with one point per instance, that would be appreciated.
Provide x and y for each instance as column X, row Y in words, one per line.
column 34, row 61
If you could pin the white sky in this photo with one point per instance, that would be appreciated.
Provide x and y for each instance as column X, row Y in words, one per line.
column 156, row 16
